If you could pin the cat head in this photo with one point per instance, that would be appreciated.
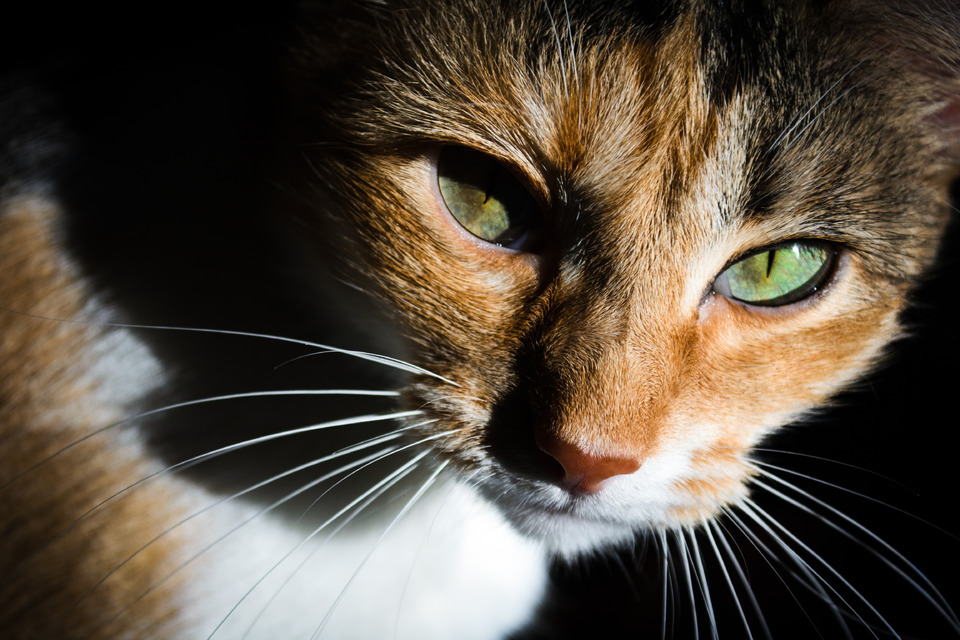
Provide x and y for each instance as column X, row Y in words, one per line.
column 628, row 245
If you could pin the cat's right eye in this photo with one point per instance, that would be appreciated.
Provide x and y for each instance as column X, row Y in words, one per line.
column 485, row 197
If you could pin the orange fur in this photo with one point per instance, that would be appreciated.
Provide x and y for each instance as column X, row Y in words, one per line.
column 53, row 558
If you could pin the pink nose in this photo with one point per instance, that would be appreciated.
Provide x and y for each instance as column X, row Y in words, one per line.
column 583, row 472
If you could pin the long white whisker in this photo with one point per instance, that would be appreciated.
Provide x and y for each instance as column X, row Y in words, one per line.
column 335, row 516
column 410, row 445
column 800, row 118
column 838, row 487
column 666, row 568
column 708, row 530
column 362, row 355
column 556, row 35
column 343, row 523
column 372, row 442
column 839, row 463
column 283, row 585
column 416, row 560
column 839, row 98
column 406, row 508
column 807, row 580
column 573, row 67
column 755, row 512
column 573, row 48
column 722, row 537
column 237, row 527
column 200, row 401
column 218, row 452
column 387, row 482
column 926, row 589
column 687, row 574
column 702, row 579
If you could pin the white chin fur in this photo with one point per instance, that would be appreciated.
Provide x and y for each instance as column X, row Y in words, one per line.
column 570, row 536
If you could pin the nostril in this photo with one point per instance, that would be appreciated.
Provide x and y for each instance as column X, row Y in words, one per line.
column 583, row 472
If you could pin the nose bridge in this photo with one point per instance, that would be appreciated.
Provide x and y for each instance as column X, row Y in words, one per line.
column 615, row 333
column 611, row 361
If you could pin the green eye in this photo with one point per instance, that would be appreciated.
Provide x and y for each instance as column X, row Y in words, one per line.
column 484, row 197
column 777, row 276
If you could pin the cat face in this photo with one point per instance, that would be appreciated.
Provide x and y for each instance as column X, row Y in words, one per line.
column 629, row 254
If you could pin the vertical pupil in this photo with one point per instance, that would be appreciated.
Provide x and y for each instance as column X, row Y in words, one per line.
column 484, row 197
column 778, row 276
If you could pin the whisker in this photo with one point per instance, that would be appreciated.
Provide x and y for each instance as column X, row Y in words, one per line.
column 410, row 445
column 726, row 576
column 343, row 523
column 185, row 464
column 416, row 559
column 372, row 442
column 556, row 35
column 841, row 96
column 573, row 48
column 304, row 356
column 849, row 491
column 807, row 580
column 573, row 67
column 406, row 508
column 682, row 543
column 722, row 537
column 839, row 463
column 755, row 512
column 387, row 482
column 221, row 538
column 667, row 570
column 702, row 579
column 801, row 117
column 362, row 355
column 927, row 589
column 201, row 401
column 408, row 467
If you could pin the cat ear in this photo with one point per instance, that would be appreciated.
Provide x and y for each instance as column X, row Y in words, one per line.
column 946, row 120
column 926, row 36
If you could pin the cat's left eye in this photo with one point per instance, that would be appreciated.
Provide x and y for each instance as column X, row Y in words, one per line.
column 778, row 276
column 485, row 197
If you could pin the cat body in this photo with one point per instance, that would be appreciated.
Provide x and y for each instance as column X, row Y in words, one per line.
column 451, row 549
column 287, row 385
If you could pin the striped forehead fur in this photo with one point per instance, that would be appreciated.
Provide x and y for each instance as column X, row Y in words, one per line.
column 475, row 76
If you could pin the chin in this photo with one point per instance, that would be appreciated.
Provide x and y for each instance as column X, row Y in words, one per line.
column 571, row 537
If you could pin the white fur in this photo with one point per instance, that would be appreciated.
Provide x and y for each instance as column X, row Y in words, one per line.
column 451, row 568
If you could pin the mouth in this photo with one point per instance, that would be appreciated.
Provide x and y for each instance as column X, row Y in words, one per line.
column 564, row 524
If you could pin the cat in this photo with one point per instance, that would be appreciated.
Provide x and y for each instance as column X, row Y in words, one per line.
column 373, row 321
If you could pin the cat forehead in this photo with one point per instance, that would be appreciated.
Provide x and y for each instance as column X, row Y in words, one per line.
column 610, row 102
column 689, row 118
column 619, row 116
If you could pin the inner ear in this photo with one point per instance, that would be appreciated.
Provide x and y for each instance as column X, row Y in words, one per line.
column 919, row 42
column 946, row 119
column 926, row 38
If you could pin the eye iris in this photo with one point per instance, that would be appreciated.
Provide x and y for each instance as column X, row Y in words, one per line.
column 484, row 197
column 778, row 276
column 473, row 207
